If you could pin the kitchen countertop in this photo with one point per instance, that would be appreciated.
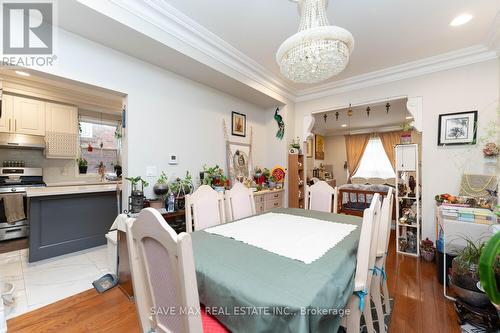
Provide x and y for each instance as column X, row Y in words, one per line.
column 74, row 189
column 82, row 183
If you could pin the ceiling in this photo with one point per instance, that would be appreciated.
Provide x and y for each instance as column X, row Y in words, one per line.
column 378, row 120
column 386, row 32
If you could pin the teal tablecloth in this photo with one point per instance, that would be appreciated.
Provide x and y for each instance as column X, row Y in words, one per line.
column 252, row 290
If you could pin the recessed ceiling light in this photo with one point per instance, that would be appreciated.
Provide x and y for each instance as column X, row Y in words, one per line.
column 409, row 117
column 344, row 125
column 460, row 20
column 22, row 73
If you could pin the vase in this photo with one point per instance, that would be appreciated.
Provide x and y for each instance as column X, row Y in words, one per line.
column 82, row 169
column 405, row 138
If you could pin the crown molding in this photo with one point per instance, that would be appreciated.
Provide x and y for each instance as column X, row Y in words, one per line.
column 493, row 37
column 199, row 43
column 424, row 66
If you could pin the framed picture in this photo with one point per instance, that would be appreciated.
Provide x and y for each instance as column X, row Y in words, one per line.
column 309, row 153
column 457, row 128
column 238, row 124
column 319, row 147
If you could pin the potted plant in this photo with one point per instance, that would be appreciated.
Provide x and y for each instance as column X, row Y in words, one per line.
column 427, row 249
column 179, row 188
column 161, row 188
column 259, row 176
column 215, row 177
column 465, row 273
column 407, row 127
column 118, row 169
column 82, row 165
column 295, row 146
column 489, row 270
column 136, row 199
column 271, row 182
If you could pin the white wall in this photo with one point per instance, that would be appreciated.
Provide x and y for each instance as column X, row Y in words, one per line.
column 472, row 87
column 335, row 154
column 168, row 114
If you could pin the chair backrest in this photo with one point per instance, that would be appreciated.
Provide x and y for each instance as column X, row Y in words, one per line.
column 240, row 202
column 321, row 197
column 163, row 262
column 204, row 208
column 385, row 224
column 367, row 247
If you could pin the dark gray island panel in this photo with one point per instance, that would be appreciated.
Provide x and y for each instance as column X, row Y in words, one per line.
column 61, row 224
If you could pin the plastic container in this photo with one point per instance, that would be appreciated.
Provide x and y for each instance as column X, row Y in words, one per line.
column 112, row 251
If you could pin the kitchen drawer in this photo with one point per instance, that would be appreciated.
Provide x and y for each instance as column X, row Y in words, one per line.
column 14, row 232
column 259, row 208
column 259, row 198
column 273, row 196
column 276, row 203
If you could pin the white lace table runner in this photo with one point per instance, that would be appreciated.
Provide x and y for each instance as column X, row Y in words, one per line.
column 295, row 237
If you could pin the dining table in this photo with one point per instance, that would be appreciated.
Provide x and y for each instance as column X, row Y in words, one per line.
column 250, row 289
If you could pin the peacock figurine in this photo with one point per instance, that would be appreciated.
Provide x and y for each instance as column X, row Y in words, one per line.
column 281, row 124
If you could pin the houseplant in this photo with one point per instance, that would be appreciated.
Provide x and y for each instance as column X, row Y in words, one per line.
column 180, row 187
column 406, row 127
column 465, row 273
column 82, row 165
column 214, row 176
column 161, row 187
column 136, row 198
column 489, row 270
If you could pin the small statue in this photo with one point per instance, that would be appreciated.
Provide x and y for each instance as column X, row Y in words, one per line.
column 412, row 184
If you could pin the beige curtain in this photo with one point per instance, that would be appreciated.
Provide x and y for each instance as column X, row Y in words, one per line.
column 355, row 147
column 389, row 140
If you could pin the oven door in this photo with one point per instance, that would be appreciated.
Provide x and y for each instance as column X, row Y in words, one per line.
column 15, row 229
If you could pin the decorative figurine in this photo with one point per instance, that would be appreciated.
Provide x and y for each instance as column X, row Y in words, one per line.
column 412, row 184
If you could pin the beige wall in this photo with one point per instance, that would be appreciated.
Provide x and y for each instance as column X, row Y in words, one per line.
column 335, row 154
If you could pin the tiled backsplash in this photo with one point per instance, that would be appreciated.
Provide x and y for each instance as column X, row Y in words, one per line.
column 54, row 170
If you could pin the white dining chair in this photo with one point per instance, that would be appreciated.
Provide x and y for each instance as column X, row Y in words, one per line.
column 322, row 197
column 164, row 277
column 240, row 202
column 358, row 303
column 204, row 209
column 379, row 282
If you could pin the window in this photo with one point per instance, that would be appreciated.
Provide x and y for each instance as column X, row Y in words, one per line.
column 95, row 134
column 375, row 163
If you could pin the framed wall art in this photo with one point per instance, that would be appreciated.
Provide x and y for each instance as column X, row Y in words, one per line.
column 319, row 147
column 309, row 153
column 238, row 124
column 457, row 128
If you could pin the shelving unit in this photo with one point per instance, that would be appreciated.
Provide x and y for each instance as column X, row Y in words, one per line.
column 296, row 183
column 408, row 226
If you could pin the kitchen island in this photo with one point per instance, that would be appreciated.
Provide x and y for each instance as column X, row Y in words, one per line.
column 65, row 219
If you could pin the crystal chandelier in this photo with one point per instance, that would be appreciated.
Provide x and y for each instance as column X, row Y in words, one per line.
column 318, row 51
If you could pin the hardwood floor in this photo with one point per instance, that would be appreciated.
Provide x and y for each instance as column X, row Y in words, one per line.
column 419, row 306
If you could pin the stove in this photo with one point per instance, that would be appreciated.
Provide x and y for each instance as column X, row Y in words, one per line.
column 14, row 181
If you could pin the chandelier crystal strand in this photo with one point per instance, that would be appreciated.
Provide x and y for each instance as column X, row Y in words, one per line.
column 318, row 51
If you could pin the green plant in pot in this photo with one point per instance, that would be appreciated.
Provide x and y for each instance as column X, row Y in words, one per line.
column 214, row 176
column 180, row 187
column 136, row 198
column 489, row 270
column 82, row 165
column 161, row 186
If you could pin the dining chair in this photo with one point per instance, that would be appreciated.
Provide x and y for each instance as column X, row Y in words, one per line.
column 204, row 208
column 379, row 283
column 164, row 278
column 358, row 303
column 322, row 197
column 240, row 202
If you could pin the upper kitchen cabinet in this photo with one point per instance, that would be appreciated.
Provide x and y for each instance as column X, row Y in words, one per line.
column 6, row 114
column 61, row 118
column 27, row 116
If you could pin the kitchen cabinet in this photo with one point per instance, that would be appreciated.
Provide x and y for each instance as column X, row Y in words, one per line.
column 28, row 116
column 6, row 114
column 22, row 115
column 61, row 118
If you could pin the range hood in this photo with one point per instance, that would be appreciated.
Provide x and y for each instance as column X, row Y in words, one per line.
column 21, row 141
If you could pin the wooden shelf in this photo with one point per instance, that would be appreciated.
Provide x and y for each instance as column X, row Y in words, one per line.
column 296, row 181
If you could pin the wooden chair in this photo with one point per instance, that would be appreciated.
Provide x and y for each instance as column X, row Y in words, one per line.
column 164, row 277
column 379, row 277
column 358, row 303
column 240, row 202
column 204, row 209
column 322, row 197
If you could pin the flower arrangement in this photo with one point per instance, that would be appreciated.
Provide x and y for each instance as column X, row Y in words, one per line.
column 491, row 150
column 214, row 177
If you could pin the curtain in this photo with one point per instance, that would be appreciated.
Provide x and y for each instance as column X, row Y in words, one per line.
column 355, row 146
column 389, row 140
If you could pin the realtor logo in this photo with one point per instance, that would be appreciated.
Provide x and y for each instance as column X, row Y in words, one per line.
column 27, row 28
